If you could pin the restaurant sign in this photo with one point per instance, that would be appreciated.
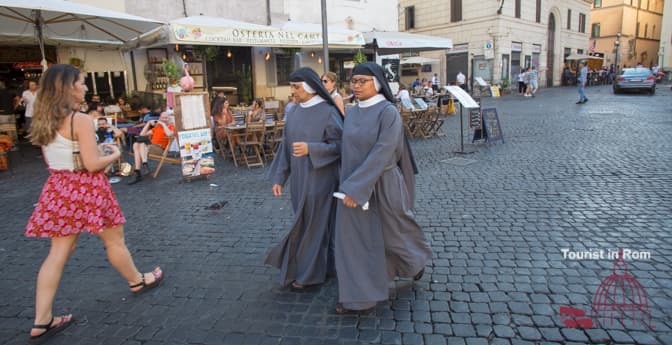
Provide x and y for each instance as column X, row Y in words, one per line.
column 259, row 37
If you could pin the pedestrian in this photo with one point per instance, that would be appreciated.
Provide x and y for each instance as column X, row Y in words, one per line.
column 308, row 157
column 521, row 81
column 73, row 200
column 583, row 77
column 533, row 76
column 461, row 81
column 330, row 79
column 28, row 101
column 376, row 245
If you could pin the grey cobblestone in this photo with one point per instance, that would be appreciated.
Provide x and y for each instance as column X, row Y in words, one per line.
column 595, row 176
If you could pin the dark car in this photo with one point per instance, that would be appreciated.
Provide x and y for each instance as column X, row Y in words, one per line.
column 640, row 79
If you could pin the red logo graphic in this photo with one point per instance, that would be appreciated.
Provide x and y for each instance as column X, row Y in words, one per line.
column 619, row 295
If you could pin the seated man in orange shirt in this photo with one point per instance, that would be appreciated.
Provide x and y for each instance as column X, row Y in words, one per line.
column 152, row 139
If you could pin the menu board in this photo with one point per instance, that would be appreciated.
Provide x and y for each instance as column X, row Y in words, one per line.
column 192, row 110
column 492, row 126
column 194, row 136
column 196, row 152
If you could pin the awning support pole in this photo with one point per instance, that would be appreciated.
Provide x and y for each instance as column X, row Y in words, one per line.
column 325, row 38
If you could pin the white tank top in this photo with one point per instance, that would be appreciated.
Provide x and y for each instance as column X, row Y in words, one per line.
column 59, row 153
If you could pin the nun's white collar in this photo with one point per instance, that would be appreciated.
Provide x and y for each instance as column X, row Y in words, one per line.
column 311, row 102
column 372, row 101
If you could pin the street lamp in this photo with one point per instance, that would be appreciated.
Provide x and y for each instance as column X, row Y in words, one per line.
column 617, row 44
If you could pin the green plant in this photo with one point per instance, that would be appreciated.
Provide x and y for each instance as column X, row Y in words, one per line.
column 359, row 58
column 171, row 71
column 207, row 53
column 245, row 84
column 505, row 84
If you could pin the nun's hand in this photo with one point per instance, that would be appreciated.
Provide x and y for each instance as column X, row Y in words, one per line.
column 300, row 149
column 349, row 202
column 277, row 190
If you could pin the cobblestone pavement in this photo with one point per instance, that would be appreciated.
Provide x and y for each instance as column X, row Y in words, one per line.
column 596, row 176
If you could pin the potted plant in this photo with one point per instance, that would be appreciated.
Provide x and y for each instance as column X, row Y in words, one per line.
column 245, row 84
column 171, row 71
column 359, row 58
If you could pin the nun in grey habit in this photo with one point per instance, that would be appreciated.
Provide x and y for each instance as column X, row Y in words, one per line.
column 309, row 157
column 374, row 246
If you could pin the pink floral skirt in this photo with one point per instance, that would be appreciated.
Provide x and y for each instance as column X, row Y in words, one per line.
column 72, row 202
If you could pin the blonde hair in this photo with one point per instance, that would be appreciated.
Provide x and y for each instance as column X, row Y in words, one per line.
column 53, row 102
column 331, row 76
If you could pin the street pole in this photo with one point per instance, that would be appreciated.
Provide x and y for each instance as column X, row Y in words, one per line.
column 325, row 38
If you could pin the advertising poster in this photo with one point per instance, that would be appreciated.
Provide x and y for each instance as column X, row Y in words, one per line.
column 196, row 152
column 392, row 70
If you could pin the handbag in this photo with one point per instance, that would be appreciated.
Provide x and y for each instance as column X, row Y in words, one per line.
column 77, row 163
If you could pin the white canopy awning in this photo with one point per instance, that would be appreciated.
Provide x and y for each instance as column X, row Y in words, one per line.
column 203, row 30
column 583, row 57
column 58, row 21
column 418, row 60
column 393, row 42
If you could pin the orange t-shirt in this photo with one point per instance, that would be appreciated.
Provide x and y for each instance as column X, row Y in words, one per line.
column 159, row 136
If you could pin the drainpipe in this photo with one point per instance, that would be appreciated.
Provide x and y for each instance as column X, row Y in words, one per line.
column 268, row 12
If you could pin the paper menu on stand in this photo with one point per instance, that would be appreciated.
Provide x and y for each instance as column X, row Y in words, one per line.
column 193, row 112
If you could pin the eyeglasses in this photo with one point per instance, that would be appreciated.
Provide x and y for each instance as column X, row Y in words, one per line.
column 324, row 81
column 360, row 82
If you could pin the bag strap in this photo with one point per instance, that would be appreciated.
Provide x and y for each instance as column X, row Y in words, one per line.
column 72, row 132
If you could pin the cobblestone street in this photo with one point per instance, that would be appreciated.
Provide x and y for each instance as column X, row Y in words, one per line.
column 589, row 177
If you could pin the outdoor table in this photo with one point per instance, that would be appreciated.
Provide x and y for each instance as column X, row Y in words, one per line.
column 238, row 130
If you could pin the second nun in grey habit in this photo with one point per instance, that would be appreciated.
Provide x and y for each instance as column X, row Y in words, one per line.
column 373, row 247
column 309, row 157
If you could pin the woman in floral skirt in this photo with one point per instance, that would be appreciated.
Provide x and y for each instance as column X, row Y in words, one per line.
column 73, row 201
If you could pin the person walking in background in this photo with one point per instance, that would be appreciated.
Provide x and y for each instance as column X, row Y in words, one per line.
column 330, row 80
column 73, row 201
column 28, row 100
column 309, row 157
column 376, row 245
column 521, row 81
column 583, row 77
column 533, row 77
column 461, row 81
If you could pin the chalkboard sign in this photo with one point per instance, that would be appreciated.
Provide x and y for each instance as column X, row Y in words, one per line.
column 493, row 130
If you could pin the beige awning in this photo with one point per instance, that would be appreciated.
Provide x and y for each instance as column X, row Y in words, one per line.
column 203, row 30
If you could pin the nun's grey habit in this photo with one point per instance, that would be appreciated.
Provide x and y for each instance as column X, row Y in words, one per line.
column 303, row 254
column 375, row 246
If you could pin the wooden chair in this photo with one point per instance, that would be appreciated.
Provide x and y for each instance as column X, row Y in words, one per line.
column 273, row 139
column 251, row 143
column 164, row 157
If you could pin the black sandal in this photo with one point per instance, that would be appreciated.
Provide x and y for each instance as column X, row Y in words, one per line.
column 66, row 321
column 158, row 277
column 419, row 275
column 341, row 310
column 298, row 287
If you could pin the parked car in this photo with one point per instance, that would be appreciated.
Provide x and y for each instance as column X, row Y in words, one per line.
column 640, row 79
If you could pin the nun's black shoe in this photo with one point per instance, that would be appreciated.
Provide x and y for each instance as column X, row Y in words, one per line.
column 419, row 275
column 341, row 310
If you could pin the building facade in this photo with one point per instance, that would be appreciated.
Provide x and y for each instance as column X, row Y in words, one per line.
column 635, row 24
column 665, row 51
column 495, row 39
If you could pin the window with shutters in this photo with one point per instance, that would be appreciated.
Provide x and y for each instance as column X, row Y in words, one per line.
column 455, row 10
column 569, row 19
column 409, row 16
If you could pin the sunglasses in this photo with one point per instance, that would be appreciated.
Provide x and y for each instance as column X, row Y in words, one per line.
column 324, row 81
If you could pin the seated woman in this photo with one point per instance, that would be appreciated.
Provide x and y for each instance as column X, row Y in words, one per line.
column 223, row 116
column 256, row 114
